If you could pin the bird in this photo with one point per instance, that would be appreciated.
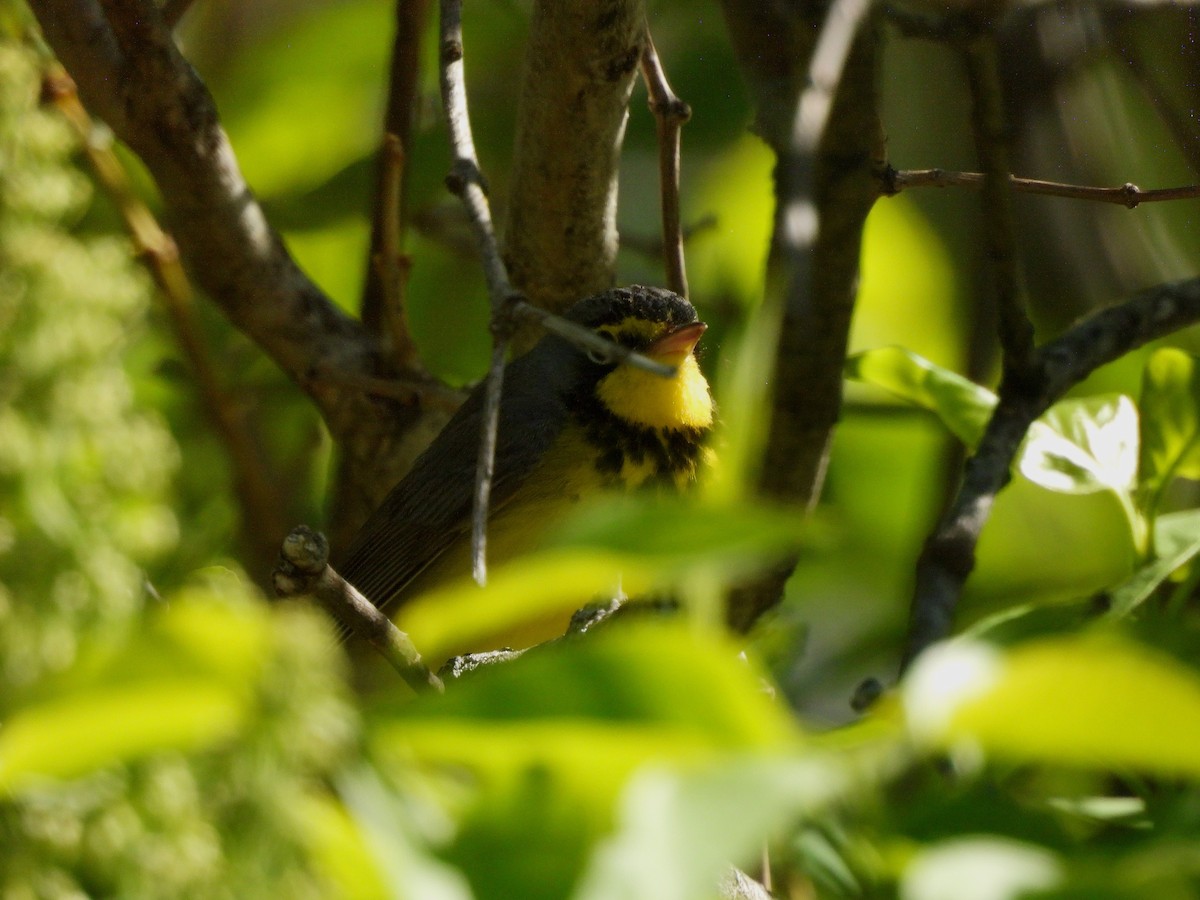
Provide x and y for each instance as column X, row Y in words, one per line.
column 572, row 424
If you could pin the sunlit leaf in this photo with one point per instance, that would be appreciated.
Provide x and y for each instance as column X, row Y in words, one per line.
column 980, row 867
column 1082, row 446
column 1092, row 700
column 1170, row 422
column 963, row 406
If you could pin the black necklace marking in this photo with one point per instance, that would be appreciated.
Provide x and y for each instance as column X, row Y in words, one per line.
column 670, row 450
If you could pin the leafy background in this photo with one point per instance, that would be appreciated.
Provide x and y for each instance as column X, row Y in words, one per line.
column 167, row 732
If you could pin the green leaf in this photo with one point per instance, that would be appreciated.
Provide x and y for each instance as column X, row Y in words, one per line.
column 1170, row 423
column 675, row 533
column 615, row 700
column 1096, row 700
column 1084, row 446
column 184, row 682
column 622, row 545
column 1176, row 542
column 550, row 741
column 678, row 832
column 963, row 406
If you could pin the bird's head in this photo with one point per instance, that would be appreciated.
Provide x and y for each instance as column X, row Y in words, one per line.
column 664, row 327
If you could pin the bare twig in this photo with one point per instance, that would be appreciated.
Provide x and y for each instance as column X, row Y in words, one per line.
column 390, row 264
column 382, row 299
column 260, row 501
column 303, row 569
column 466, row 181
column 989, row 126
column 670, row 114
column 949, row 553
column 1127, row 195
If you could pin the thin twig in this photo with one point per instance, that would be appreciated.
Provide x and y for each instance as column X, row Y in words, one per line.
column 303, row 569
column 466, row 181
column 382, row 303
column 949, row 554
column 1128, row 195
column 670, row 114
column 390, row 262
column 989, row 126
column 261, row 503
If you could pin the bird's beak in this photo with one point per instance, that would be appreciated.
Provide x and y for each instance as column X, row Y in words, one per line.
column 675, row 346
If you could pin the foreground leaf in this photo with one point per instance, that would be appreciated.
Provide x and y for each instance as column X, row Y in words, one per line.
column 1094, row 700
column 182, row 683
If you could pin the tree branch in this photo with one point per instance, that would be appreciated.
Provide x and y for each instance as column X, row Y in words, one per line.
column 829, row 149
column 989, row 126
column 129, row 71
column 561, row 233
column 828, row 146
column 949, row 554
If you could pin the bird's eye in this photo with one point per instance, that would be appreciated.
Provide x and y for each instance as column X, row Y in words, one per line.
column 599, row 357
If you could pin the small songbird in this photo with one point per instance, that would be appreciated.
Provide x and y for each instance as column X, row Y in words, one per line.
column 571, row 425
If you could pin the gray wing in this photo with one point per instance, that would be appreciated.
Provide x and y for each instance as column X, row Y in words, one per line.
column 430, row 509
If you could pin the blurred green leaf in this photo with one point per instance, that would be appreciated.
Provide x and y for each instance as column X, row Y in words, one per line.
column 621, row 545
column 1170, row 423
column 523, row 603
column 672, row 532
column 1096, row 700
column 963, row 406
column 550, row 740
column 292, row 133
column 340, row 848
column 632, row 693
column 182, row 683
column 717, row 816
column 908, row 292
column 980, row 867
